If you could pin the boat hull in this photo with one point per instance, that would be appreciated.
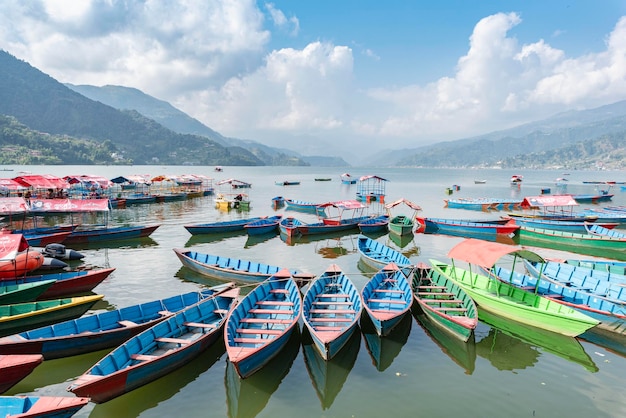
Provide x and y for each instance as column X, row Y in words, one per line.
column 16, row 367
column 109, row 234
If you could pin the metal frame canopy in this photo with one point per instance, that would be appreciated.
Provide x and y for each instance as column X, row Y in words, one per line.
column 487, row 253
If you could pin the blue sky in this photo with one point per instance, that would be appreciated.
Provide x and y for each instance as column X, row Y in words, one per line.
column 345, row 78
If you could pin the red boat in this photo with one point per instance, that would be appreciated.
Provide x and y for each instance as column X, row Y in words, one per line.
column 66, row 283
column 15, row 367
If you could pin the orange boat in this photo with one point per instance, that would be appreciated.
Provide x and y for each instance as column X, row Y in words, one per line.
column 16, row 259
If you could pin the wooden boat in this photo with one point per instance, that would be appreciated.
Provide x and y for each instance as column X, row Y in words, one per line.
column 592, row 198
column 16, row 367
column 329, row 376
column 28, row 315
column 262, row 323
column 158, row 350
column 445, row 303
column 89, row 235
column 40, row 406
column 373, row 225
column 301, row 205
column 333, row 219
column 22, row 292
column 559, row 225
column 608, row 309
column 227, row 268
column 480, row 181
column 612, row 266
column 516, row 180
column 278, row 202
column 461, row 227
column 101, row 330
column 383, row 350
column 263, row 226
column 220, row 227
column 504, row 299
column 376, row 255
column 43, row 239
column 602, row 230
column 287, row 183
column 323, row 179
column 243, row 397
column 401, row 224
column 139, row 198
column 482, row 204
column 331, row 308
column 599, row 245
column 66, row 283
column 387, row 298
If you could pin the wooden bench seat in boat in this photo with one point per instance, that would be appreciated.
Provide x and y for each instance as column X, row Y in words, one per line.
column 442, row 300
column 435, row 294
column 332, row 311
column 251, row 340
column 259, row 331
column 126, row 323
column 269, row 311
column 265, row 320
column 333, row 295
column 274, row 303
column 397, row 301
column 389, row 291
column 172, row 340
column 143, row 357
column 443, row 308
column 330, row 319
column 199, row 325
column 325, row 328
column 320, row 302
column 283, row 291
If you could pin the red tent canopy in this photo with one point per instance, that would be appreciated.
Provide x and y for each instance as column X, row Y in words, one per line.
column 11, row 244
column 546, row 201
column 69, row 205
column 343, row 204
column 42, row 181
column 13, row 205
column 10, row 184
column 486, row 253
column 401, row 201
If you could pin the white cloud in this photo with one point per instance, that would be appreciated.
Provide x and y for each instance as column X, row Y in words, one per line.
column 212, row 62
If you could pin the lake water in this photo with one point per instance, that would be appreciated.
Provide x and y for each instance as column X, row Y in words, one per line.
column 506, row 371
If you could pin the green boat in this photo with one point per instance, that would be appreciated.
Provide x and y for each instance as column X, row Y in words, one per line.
column 504, row 299
column 445, row 303
column 400, row 224
column 21, row 317
column 595, row 245
column 23, row 292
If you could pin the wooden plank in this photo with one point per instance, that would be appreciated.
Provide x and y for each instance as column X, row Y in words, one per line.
column 265, row 320
column 251, row 340
column 337, row 319
column 270, row 311
column 143, row 357
column 281, row 291
column 259, row 331
column 126, row 323
column 199, row 325
column 389, row 291
column 324, row 328
column 332, row 311
column 442, row 301
column 273, row 303
column 395, row 301
column 172, row 340
column 318, row 302
column 333, row 295
column 441, row 308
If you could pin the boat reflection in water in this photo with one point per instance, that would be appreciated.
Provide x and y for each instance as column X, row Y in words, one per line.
column 400, row 241
column 146, row 397
column 258, row 239
column 247, row 397
column 511, row 345
column 462, row 353
column 383, row 350
column 211, row 238
column 328, row 377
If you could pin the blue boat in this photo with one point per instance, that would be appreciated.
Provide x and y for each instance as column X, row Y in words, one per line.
column 387, row 297
column 101, row 330
column 333, row 219
column 263, row 226
column 82, row 236
column 373, row 225
column 331, row 308
column 609, row 311
column 600, row 229
column 376, row 255
column 158, row 350
column 577, row 227
column 262, row 323
column 220, row 227
column 41, row 406
column 301, row 205
column 229, row 269
column 612, row 266
column 462, row 227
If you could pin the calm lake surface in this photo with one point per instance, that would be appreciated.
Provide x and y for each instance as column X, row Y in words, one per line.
column 506, row 371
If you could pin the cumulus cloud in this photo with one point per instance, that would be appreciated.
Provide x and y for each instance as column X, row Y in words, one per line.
column 212, row 61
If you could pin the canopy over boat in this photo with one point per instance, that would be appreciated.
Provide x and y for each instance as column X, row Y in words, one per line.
column 42, row 181
column 89, row 180
column 548, row 201
column 405, row 201
column 11, row 245
column 10, row 185
column 234, row 182
column 372, row 177
column 343, row 204
column 487, row 253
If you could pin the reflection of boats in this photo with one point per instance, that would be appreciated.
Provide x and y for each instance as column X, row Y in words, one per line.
column 522, row 341
column 401, row 241
column 262, row 323
column 329, row 376
column 461, row 352
column 258, row 239
column 246, row 398
column 383, row 350
column 331, row 308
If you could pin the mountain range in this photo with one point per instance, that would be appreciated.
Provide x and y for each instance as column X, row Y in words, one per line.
column 46, row 122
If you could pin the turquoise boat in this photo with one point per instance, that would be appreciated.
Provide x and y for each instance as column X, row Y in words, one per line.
column 376, row 255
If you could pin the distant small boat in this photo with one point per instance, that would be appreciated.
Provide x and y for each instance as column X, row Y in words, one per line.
column 323, row 179
column 480, row 181
column 41, row 406
column 220, row 227
column 516, row 180
column 278, row 202
column 287, row 183
column 16, row 367
column 346, row 178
